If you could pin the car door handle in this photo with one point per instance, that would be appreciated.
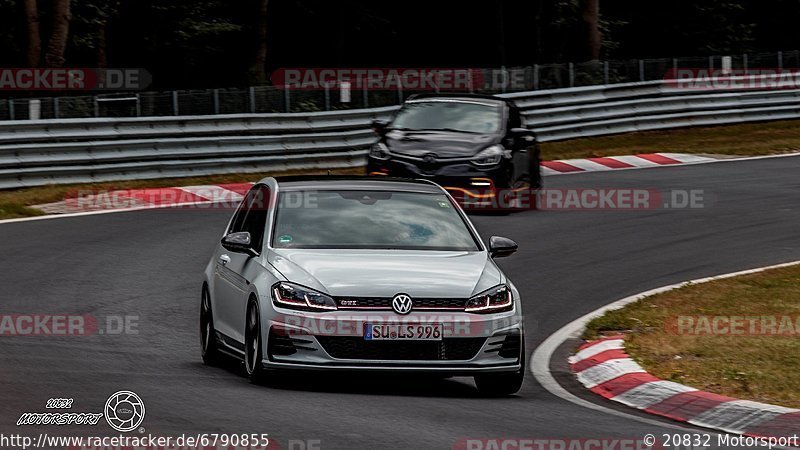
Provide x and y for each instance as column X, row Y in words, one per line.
column 224, row 260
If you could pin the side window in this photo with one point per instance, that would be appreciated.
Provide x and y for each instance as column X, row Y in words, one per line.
column 237, row 224
column 256, row 221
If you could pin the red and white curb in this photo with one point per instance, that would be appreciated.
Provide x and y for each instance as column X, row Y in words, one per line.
column 604, row 368
column 224, row 194
column 233, row 193
column 642, row 161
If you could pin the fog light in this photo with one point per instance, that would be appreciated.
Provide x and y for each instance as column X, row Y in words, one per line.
column 481, row 182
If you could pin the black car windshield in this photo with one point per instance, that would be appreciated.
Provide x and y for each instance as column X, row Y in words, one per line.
column 454, row 115
column 370, row 220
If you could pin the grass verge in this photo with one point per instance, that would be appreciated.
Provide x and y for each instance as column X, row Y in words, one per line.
column 752, row 139
column 667, row 336
column 743, row 140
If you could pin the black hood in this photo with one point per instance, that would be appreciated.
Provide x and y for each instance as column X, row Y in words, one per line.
column 445, row 144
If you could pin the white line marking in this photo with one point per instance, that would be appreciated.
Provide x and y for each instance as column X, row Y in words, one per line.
column 213, row 193
column 540, row 360
column 546, row 171
column 637, row 162
column 687, row 158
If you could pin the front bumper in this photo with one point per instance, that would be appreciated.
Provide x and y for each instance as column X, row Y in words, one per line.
column 472, row 187
column 457, row 174
column 471, row 343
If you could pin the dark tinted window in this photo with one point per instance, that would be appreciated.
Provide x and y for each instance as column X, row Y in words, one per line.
column 252, row 215
column 370, row 220
column 459, row 115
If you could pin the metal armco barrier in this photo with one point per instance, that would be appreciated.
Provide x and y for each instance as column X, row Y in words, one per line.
column 43, row 152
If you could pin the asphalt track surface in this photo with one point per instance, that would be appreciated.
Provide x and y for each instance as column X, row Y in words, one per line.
column 149, row 264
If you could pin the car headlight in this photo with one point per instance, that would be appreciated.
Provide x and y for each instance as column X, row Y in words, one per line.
column 379, row 151
column 489, row 156
column 288, row 295
column 496, row 299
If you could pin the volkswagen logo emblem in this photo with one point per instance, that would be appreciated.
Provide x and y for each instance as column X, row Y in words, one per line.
column 429, row 159
column 124, row 411
column 402, row 304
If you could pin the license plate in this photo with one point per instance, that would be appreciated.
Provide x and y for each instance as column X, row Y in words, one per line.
column 416, row 332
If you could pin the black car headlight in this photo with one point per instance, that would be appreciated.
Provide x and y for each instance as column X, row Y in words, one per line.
column 489, row 156
column 496, row 299
column 379, row 151
column 293, row 296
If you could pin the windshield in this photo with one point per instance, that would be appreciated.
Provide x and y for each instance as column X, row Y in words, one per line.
column 370, row 220
column 454, row 115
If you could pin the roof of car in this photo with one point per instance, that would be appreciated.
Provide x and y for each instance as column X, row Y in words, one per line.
column 330, row 182
column 456, row 96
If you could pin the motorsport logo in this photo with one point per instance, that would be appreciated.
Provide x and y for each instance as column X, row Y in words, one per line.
column 124, row 411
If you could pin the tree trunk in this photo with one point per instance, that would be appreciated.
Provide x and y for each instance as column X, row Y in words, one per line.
column 58, row 38
column 261, row 49
column 34, row 49
column 102, row 58
column 591, row 20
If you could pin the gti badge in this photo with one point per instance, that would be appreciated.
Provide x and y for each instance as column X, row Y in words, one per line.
column 402, row 304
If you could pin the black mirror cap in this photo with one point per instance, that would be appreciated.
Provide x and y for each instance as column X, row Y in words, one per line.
column 239, row 242
column 379, row 126
column 524, row 134
column 500, row 247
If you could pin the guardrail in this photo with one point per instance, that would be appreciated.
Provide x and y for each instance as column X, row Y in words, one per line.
column 86, row 150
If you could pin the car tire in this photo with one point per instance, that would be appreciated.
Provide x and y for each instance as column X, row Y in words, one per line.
column 502, row 384
column 253, row 345
column 208, row 335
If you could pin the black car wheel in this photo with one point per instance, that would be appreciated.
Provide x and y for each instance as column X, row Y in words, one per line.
column 208, row 339
column 253, row 343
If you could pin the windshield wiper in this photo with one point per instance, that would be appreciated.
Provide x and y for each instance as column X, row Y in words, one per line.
column 433, row 130
column 453, row 130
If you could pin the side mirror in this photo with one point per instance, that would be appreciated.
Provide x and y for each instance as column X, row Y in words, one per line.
column 500, row 247
column 379, row 126
column 239, row 243
column 523, row 135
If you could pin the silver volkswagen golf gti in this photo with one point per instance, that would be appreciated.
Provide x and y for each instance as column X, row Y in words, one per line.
column 361, row 274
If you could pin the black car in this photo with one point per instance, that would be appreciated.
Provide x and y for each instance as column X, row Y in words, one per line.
column 474, row 146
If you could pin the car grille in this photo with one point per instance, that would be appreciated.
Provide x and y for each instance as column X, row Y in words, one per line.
column 448, row 349
column 386, row 303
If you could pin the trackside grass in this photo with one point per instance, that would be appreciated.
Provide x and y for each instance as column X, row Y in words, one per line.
column 738, row 337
